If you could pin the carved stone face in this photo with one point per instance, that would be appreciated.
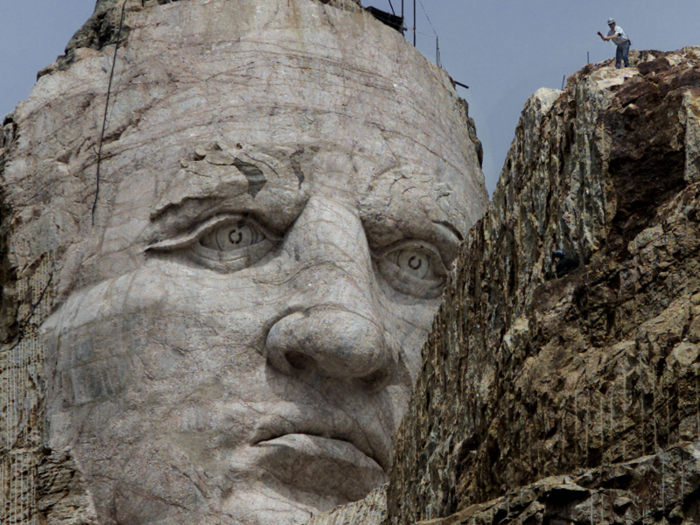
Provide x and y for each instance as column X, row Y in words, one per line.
column 246, row 317
column 264, row 348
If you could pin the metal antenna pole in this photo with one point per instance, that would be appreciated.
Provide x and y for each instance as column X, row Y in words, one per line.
column 414, row 23
column 403, row 20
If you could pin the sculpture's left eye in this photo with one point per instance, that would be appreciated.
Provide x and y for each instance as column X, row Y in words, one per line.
column 234, row 236
column 414, row 262
column 224, row 244
column 414, row 268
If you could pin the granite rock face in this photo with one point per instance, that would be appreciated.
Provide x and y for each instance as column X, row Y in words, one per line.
column 661, row 488
column 572, row 400
column 368, row 511
column 214, row 300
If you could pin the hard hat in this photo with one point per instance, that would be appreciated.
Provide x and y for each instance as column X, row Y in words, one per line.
column 558, row 253
column 611, row 21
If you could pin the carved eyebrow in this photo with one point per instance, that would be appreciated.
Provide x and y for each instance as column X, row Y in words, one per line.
column 232, row 174
column 451, row 227
column 192, row 235
column 186, row 203
column 188, row 187
column 174, row 219
column 275, row 214
column 385, row 229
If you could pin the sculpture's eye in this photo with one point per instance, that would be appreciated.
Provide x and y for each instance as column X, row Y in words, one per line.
column 412, row 261
column 234, row 236
column 413, row 268
column 224, row 244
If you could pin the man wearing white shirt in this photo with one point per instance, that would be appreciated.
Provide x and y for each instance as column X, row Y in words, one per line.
column 618, row 36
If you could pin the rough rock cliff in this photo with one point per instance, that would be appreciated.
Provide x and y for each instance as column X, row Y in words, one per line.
column 572, row 400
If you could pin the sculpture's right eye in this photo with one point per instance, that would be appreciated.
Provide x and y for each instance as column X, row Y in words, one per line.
column 223, row 244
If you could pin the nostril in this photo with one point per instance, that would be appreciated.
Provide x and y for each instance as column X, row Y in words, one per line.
column 375, row 380
column 298, row 360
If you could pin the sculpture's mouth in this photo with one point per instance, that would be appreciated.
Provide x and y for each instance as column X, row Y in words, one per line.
column 322, row 445
column 344, row 437
column 326, row 466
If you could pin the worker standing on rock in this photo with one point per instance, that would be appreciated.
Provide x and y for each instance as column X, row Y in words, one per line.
column 618, row 36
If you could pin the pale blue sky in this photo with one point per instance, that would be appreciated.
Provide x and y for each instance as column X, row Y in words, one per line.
column 503, row 49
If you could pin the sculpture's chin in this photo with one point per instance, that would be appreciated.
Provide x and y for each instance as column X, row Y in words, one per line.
column 292, row 477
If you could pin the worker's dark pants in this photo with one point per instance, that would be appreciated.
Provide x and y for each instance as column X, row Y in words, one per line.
column 623, row 51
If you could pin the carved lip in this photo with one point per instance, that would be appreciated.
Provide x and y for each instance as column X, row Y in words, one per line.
column 370, row 441
column 325, row 467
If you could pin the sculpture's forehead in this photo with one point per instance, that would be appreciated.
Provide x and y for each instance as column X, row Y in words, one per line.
column 256, row 177
column 274, row 73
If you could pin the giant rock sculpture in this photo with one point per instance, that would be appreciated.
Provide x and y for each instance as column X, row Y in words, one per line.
column 226, row 327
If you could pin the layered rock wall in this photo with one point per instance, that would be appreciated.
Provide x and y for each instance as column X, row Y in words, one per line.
column 369, row 511
column 573, row 399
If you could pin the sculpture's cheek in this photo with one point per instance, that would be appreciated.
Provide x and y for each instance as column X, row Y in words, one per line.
column 152, row 353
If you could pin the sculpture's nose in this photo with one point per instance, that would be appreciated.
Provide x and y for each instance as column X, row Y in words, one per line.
column 333, row 341
column 333, row 326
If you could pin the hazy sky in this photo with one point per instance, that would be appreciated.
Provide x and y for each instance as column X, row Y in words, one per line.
column 504, row 50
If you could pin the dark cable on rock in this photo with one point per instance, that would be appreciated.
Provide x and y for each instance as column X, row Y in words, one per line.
column 414, row 23
column 104, row 120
